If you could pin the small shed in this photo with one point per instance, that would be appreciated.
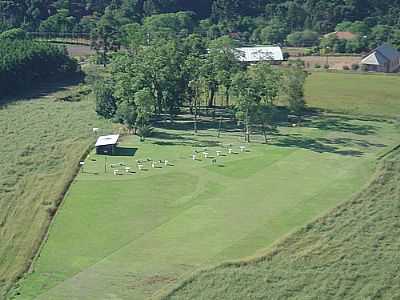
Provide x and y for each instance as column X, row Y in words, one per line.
column 385, row 58
column 250, row 55
column 106, row 144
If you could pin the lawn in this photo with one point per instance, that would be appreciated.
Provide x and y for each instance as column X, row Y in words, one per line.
column 130, row 236
column 351, row 253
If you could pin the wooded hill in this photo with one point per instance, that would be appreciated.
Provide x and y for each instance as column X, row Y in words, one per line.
column 231, row 15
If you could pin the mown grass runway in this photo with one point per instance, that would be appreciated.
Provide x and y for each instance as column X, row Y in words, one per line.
column 129, row 236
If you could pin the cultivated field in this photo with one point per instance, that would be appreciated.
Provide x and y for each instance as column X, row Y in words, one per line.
column 41, row 141
column 131, row 236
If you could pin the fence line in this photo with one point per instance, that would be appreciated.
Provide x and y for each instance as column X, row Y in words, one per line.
column 78, row 38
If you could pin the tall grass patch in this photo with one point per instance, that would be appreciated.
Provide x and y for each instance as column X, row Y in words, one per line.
column 42, row 141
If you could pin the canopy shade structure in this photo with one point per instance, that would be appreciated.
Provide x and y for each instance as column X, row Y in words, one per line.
column 106, row 144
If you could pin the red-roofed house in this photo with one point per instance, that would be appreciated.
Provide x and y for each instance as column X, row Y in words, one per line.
column 342, row 35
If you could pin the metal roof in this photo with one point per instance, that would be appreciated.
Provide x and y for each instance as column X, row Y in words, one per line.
column 374, row 58
column 107, row 140
column 255, row 54
column 388, row 51
column 381, row 55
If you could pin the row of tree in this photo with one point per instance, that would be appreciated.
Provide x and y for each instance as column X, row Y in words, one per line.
column 162, row 77
column 257, row 21
column 25, row 63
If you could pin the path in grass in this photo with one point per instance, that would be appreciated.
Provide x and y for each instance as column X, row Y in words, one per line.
column 128, row 237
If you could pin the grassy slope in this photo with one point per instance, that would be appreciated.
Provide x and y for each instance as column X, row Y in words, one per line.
column 351, row 253
column 42, row 141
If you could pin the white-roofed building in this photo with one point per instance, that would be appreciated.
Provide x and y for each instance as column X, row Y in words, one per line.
column 106, row 144
column 250, row 55
column 383, row 59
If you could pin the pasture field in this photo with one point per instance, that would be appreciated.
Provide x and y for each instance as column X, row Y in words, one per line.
column 359, row 94
column 130, row 236
column 351, row 253
column 42, row 140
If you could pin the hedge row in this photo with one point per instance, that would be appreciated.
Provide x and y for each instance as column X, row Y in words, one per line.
column 24, row 63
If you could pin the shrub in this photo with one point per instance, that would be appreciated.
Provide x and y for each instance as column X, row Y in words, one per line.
column 355, row 67
column 13, row 34
column 297, row 62
column 326, row 66
column 346, row 68
column 364, row 68
column 317, row 66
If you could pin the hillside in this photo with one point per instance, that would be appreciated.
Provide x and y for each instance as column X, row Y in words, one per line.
column 351, row 253
column 43, row 137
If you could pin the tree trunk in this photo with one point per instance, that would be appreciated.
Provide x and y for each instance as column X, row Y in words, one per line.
column 104, row 57
column 220, row 126
column 247, row 127
column 227, row 96
column 211, row 97
column 264, row 130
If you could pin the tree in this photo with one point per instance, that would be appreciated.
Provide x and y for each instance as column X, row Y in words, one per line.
column 170, row 25
column 13, row 34
column 126, row 113
column 195, row 90
column 144, row 107
column 105, row 101
column 60, row 22
column 269, row 84
column 249, row 97
column 220, row 66
column 105, row 37
column 305, row 38
column 132, row 37
column 274, row 33
column 294, row 81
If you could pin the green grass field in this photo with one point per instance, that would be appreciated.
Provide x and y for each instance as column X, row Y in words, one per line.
column 351, row 253
column 132, row 236
column 365, row 94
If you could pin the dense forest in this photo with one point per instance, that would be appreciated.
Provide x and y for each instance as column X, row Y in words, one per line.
column 255, row 21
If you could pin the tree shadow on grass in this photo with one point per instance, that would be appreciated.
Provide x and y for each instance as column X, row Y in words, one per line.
column 339, row 124
column 186, row 123
column 43, row 89
column 319, row 145
column 173, row 139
